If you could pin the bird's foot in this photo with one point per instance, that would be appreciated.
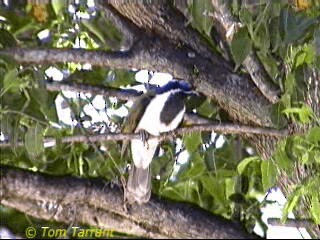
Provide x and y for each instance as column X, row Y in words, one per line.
column 144, row 137
column 125, row 194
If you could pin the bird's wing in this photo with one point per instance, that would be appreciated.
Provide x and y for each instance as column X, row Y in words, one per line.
column 135, row 114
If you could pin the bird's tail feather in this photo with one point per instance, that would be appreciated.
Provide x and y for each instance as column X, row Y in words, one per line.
column 139, row 185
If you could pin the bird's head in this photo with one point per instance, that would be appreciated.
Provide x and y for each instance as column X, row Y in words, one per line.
column 173, row 85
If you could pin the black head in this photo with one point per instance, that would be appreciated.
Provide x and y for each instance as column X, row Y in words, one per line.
column 173, row 85
column 176, row 99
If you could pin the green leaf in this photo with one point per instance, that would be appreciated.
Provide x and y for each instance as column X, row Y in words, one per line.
column 207, row 109
column 7, row 40
column 230, row 186
column 270, row 64
column 46, row 100
column 93, row 28
column 314, row 135
column 261, row 38
column 291, row 203
column 305, row 113
column 269, row 174
column 34, row 140
column 58, row 6
column 102, row 31
column 11, row 81
column 245, row 16
column 192, row 141
column 245, row 162
column 117, row 78
column 200, row 15
column 240, row 46
column 196, row 168
column 215, row 187
column 317, row 157
column 281, row 157
column 306, row 55
column 274, row 33
column 315, row 209
column 294, row 26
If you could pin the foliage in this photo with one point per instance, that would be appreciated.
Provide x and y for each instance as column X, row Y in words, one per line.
column 220, row 173
column 287, row 37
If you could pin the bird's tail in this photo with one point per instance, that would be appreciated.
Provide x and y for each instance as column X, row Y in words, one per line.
column 139, row 185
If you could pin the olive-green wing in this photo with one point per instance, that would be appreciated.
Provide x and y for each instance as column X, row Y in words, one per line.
column 135, row 114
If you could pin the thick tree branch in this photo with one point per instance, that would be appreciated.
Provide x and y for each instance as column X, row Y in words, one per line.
column 166, row 22
column 233, row 92
column 159, row 49
column 73, row 200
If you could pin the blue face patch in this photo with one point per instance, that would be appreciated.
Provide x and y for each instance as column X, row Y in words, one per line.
column 172, row 85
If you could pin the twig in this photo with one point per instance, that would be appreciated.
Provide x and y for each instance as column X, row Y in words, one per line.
column 298, row 223
column 189, row 118
column 95, row 90
column 216, row 127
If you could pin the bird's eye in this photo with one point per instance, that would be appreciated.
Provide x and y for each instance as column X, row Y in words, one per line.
column 128, row 166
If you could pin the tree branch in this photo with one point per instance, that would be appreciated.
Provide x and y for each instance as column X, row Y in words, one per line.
column 73, row 200
column 298, row 223
column 166, row 22
column 114, row 59
column 204, row 124
column 95, row 90
column 233, row 92
column 223, row 128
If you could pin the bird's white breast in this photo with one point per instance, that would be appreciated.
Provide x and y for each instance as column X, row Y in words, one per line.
column 143, row 153
column 150, row 120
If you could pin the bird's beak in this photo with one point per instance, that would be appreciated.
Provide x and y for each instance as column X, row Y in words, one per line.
column 192, row 93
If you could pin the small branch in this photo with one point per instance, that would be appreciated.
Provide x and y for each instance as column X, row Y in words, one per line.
column 256, row 70
column 229, row 128
column 191, row 119
column 121, row 94
column 223, row 128
column 298, row 223
column 114, row 59
column 95, row 203
column 95, row 90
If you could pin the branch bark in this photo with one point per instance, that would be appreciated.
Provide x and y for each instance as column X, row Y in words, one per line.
column 298, row 223
column 74, row 200
column 233, row 92
column 224, row 128
column 203, row 124
column 95, row 90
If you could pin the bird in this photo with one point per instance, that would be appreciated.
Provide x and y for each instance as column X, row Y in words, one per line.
column 159, row 110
